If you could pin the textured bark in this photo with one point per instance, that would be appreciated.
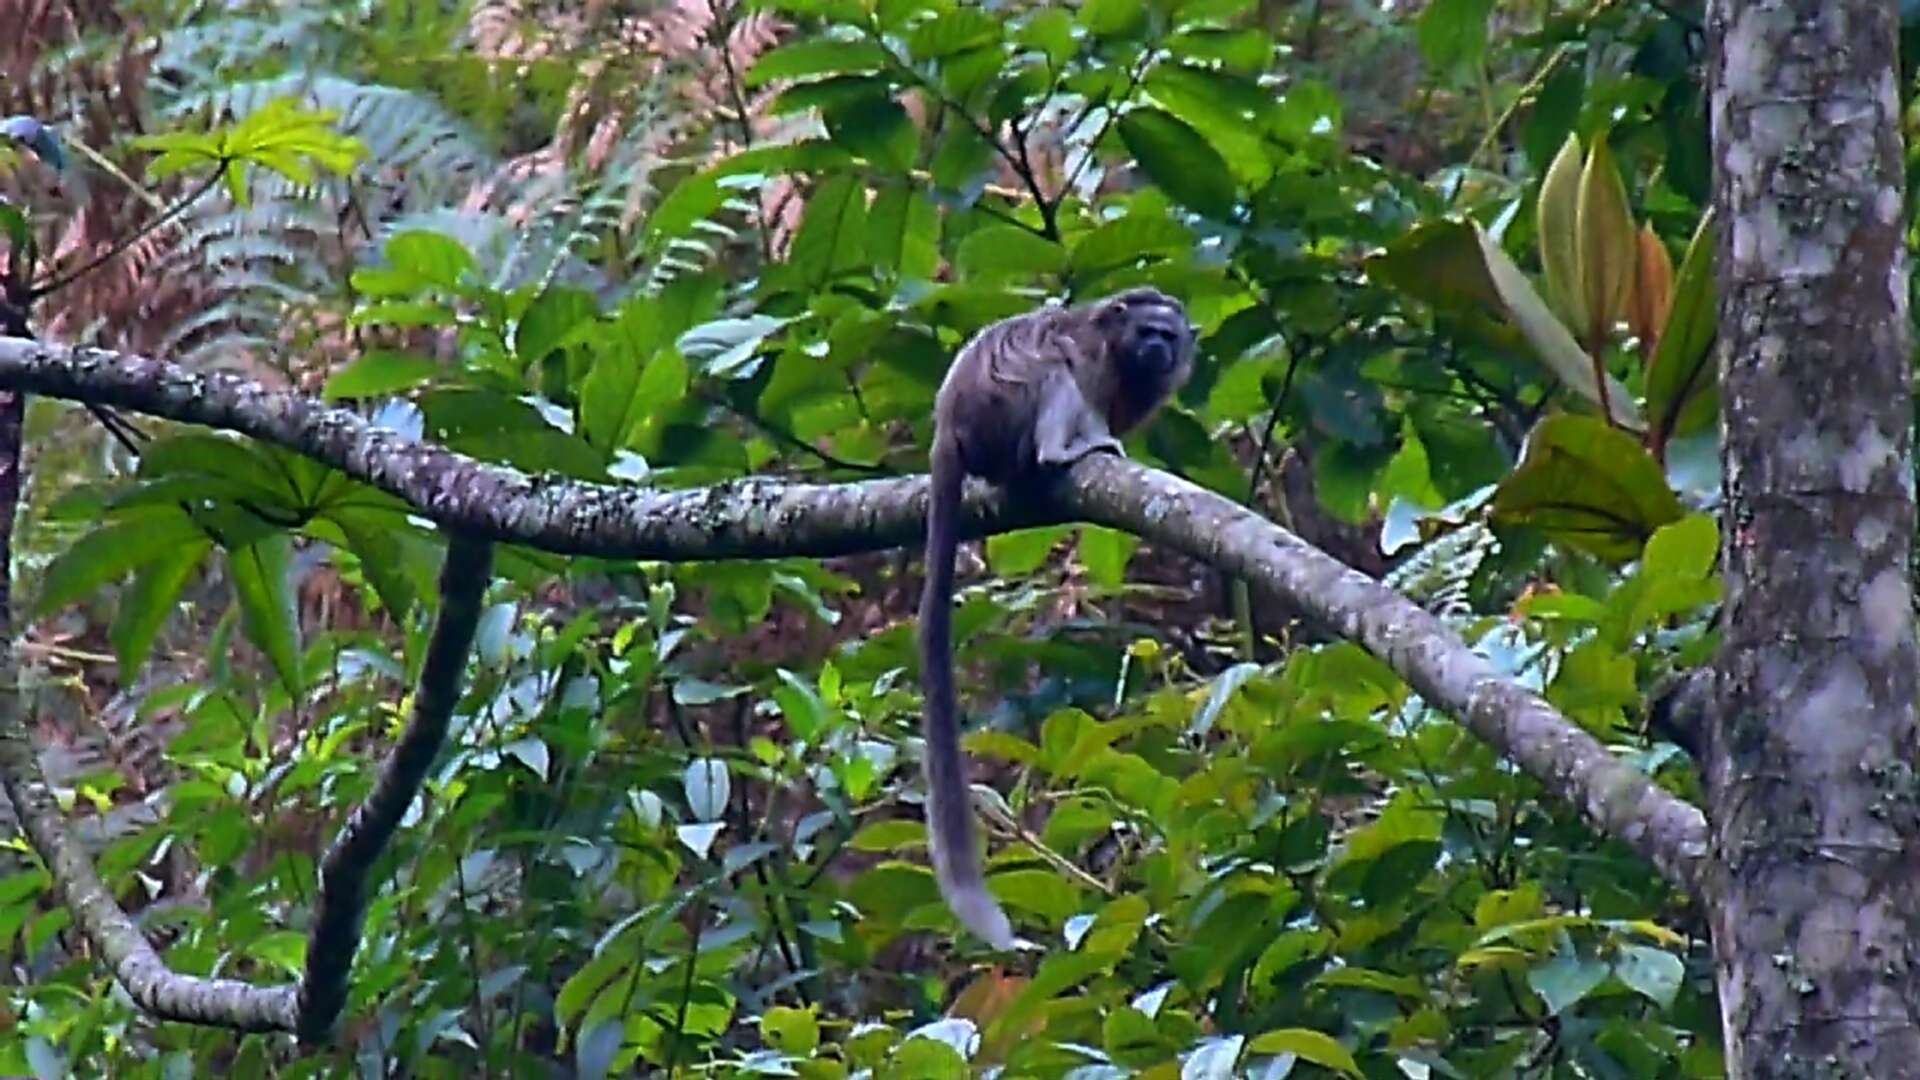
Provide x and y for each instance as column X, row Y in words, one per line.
column 349, row 863
column 1572, row 765
column 1811, row 751
column 767, row 518
column 753, row 518
column 162, row 992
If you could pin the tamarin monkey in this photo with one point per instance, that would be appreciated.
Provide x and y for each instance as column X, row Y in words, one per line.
column 1027, row 397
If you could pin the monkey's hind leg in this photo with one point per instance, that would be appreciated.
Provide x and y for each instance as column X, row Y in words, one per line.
column 1067, row 428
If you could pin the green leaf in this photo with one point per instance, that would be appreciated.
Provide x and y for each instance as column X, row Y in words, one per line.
column 1141, row 236
column 958, row 30
column 727, row 344
column 378, row 373
column 430, row 258
column 1588, row 485
column 1017, row 553
column 1229, row 111
column 1009, row 249
column 963, row 159
column 1682, row 379
column 790, row 1030
column 1558, row 215
column 1105, row 553
column 1609, row 243
column 928, row 1059
column 1453, row 33
column 1563, row 981
column 903, row 233
column 1309, row 1045
column 1685, row 549
column 1181, row 161
column 832, row 236
column 154, row 597
column 110, row 552
column 555, row 316
column 1113, row 18
column 889, row 836
column 810, row 56
column 1655, row 974
column 383, row 557
column 877, row 129
column 263, row 587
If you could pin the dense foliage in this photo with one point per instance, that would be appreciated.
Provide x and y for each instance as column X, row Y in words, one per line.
column 679, row 822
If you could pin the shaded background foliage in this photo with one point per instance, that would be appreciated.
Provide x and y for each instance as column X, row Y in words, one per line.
column 675, row 244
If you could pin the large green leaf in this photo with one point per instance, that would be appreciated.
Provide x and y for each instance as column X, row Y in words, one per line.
column 1453, row 33
column 959, row 30
column 1009, row 250
column 806, row 57
column 1180, row 160
column 555, row 317
column 230, row 464
column 110, row 551
column 379, row 372
column 1590, row 486
column 263, row 587
column 1308, row 1045
column 832, row 239
column 146, row 607
column 877, row 129
column 1140, row 236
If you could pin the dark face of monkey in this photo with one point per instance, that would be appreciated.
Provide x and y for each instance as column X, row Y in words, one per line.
column 1149, row 337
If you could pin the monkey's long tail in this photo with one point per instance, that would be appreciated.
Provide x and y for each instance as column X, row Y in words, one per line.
column 956, row 859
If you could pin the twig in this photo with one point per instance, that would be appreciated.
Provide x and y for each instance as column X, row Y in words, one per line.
column 121, row 245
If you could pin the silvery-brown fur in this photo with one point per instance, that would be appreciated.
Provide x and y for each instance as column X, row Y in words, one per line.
column 1026, row 397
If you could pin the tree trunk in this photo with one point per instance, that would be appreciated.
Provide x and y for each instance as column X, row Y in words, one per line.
column 1811, row 785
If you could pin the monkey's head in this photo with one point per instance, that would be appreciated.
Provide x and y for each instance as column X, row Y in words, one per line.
column 1148, row 337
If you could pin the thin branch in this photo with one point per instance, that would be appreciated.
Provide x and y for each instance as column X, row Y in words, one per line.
column 349, row 863
column 121, row 245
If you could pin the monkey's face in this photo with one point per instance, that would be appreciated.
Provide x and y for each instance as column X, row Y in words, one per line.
column 1149, row 336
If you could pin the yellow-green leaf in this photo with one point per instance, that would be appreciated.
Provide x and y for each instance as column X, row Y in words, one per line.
column 1681, row 377
column 1308, row 1044
column 1558, row 216
column 1608, row 244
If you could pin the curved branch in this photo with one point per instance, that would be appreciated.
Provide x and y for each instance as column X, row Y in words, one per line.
column 349, row 863
column 768, row 518
column 1572, row 765
column 159, row 990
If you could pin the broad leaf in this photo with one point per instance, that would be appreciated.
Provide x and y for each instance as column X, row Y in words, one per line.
column 1180, row 160
column 1590, row 486
column 110, row 552
column 380, row 372
column 263, row 587
column 154, row 597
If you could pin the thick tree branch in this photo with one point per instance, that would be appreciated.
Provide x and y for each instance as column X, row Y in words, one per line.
column 765, row 518
column 349, row 863
column 1571, row 764
column 755, row 518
